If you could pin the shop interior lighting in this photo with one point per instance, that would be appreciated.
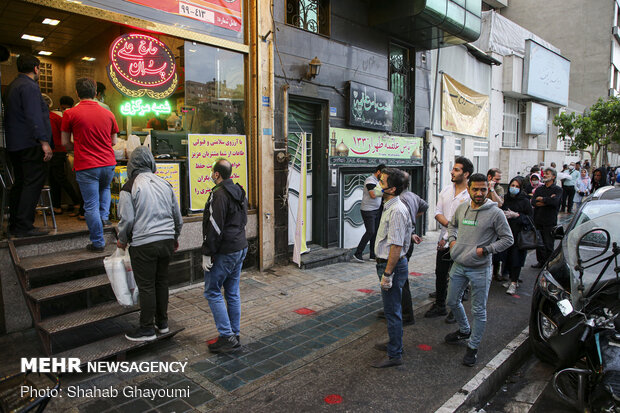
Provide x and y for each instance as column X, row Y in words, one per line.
column 88, row 59
column 31, row 37
column 45, row 53
column 51, row 22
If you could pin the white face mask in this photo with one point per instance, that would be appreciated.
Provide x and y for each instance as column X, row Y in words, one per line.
column 377, row 191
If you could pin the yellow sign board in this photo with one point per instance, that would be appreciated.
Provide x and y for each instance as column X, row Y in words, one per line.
column 171, row 172
column 203, row 151
column 463, row 110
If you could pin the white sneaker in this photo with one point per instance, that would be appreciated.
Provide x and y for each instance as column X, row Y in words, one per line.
column 512, row 289
column 506, row 284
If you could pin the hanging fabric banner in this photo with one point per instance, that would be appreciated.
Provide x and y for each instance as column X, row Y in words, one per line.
column 463, row 110
column 300, row 224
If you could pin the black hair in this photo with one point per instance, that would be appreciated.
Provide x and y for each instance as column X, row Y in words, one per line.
column 520, row 180
column 26, row 63
column 493, row 171
column 223, row 167
column 467, row 165
column 395, row 178
column 380, row 167
column 534, row 169
column 476, row 178
column 86, row 88
column 100, row 87
column 66, row 101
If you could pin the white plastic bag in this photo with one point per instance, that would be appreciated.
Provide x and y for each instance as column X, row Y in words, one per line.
column 133, row 141
column 121, row 280
column 131, row 282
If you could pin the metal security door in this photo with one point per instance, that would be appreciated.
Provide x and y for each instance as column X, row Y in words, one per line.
column 352, row 224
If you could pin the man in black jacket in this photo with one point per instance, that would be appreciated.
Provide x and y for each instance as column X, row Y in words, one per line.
column 546, row 202
column 224, row 248
column 28, row 143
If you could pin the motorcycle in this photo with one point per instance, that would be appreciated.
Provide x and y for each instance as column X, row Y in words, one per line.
column 590, row 338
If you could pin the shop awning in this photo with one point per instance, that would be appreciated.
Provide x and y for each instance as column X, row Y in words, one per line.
column 428, row 24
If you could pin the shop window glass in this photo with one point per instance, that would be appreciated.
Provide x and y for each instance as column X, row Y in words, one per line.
column 45, row 78
column 400, row 86
column 214, row 90
column 310, row 15
column 510, row 136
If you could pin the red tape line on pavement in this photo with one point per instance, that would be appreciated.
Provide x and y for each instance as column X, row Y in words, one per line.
column 516, row 296
column 304, row 311
column 425, row 347
column 415, row 274
column 367, row 291
column 333, row 399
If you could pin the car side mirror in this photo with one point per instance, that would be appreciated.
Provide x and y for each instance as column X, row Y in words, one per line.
column 558, row 232
column 592, row 245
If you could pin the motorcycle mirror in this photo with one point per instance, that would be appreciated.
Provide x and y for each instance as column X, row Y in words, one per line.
column 565, row 307
column 592, row 245
column 558, row 232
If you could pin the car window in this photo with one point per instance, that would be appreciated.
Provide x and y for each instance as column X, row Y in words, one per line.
column 595, row 209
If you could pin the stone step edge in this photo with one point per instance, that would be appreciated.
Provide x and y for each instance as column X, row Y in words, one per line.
column 488, row 380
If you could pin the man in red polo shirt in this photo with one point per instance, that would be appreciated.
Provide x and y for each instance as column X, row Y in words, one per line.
column 94, row 131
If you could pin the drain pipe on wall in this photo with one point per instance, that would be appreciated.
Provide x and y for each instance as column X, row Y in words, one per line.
column 436, row 162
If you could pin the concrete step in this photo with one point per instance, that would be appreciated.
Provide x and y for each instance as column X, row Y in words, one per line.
column 319, row 256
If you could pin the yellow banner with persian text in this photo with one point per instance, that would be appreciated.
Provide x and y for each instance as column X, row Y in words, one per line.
column 463, row 110
column 203, row 151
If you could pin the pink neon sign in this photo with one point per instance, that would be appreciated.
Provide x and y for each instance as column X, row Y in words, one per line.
column 142, row 65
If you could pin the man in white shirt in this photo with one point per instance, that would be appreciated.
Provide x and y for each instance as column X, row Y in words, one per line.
column 371, row 213
column 449, row 199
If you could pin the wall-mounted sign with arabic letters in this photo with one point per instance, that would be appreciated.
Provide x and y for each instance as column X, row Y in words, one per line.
column 370, row 107
column 203, row 151
column 142, row 65
column 463, row 110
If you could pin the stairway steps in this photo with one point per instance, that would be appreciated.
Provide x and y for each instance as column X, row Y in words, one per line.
column 66, row 288
column 71, row 260
column 109, row 347
column 84, row 317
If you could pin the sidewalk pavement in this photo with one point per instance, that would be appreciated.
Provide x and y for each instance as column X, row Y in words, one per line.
column 276, row 333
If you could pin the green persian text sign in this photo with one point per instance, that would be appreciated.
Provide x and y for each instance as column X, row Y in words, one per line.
column 363, row 144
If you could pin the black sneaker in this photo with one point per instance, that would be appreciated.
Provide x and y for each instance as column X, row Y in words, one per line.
column 106, row 222
column 141, row 335
column 92, row 248
column 457, row 337
column 537, row 265
column 224, row 344
column 34, row 232
column 435, row 311
column 162, row 328
column 450, row 319
column 470, row 357
column 381, row 314
column 357, row 258
column 433, row 294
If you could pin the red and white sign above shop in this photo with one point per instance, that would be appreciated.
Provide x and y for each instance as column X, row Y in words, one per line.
column 221, row 13
column 142, row 65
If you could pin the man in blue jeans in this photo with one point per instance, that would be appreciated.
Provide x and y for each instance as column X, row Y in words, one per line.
column 224, row 248
column 94, row 132
column 391, row 246
column 477, row 230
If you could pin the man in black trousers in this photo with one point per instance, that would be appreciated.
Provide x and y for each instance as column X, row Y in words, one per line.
column 28, row 137
column 546, row 202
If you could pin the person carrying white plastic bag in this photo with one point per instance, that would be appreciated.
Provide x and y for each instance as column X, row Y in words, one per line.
column 118, row 268
column 150, row 223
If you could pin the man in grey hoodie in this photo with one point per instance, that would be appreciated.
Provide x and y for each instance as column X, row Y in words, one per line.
column 477, row 230
column 151, row 222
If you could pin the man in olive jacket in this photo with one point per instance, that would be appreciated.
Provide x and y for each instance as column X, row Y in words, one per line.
column 223, row 250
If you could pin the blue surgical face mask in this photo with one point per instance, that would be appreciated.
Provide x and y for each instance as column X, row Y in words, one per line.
column 513, row 190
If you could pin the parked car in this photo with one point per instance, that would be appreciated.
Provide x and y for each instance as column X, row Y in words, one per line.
column 551, row 333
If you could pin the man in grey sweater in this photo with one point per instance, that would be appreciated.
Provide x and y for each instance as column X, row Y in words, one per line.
column 151, row 222
column 477, row 230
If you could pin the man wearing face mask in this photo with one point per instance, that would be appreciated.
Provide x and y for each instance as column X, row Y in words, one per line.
column 391, row 246
column 546, row 203
column 371, row 213
column 477, row 230
column 224, row 248
column 569, row 188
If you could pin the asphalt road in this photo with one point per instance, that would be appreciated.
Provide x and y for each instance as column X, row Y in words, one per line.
column 432, row 371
